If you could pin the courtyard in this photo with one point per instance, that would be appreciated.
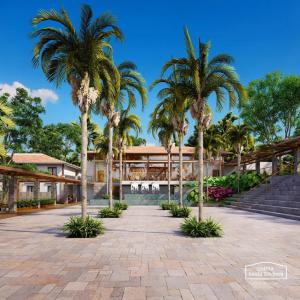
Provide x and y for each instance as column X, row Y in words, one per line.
column 144, row 256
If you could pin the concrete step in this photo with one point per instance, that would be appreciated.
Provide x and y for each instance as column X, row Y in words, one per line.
column 276, row 214
column 291, row 204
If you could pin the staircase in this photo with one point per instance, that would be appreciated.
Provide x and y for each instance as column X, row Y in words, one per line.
column 280, row 197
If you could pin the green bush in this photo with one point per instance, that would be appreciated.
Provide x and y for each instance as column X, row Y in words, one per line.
column 78, row 227
column 47, row 201
column 105, row 196
column 109, row 213
column 120, row 205
column 167, row 206
column 27, row 203
column 180, row 212
column 206, row 228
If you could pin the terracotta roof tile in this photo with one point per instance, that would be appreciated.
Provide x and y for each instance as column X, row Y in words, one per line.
column 157, row 150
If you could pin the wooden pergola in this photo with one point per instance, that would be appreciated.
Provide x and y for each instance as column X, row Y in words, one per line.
column 273, row 151
column 17, row 174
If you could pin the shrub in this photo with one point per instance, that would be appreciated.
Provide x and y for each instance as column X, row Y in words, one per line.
column 27, row 203
column 47, row 201
column 167, row 206
column 120, row 205
column 78, row 227
column 105, row 196
column 180, row 212
column 219, row 192
column 109, row 213
column 206, row 228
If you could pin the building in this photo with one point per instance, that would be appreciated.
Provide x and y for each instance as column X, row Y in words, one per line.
column 146, row 164
column 64, row 192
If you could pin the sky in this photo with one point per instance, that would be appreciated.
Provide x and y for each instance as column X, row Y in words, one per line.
column 262, row 36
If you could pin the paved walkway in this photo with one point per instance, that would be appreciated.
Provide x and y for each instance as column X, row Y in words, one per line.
column 143, row 256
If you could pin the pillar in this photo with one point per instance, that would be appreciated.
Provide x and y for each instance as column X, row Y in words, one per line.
column 297, row 161
column 274, row 164
column 36, row 192
column 53, row 192
column 257, row 166
column 12, row 194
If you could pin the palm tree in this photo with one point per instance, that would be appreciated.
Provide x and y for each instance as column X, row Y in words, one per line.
column 110, row 104
column 82, row 59
column 239, row 135
column 162, row 126
column 128, row 122
column 175, row 104
column 203, row 78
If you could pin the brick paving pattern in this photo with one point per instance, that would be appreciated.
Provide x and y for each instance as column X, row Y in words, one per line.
column 143, row 256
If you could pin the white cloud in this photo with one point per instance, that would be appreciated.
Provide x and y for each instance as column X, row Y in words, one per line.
column 45, row 94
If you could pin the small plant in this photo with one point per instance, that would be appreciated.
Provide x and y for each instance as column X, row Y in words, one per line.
column 27, row 203
column 108, row 212
column 105, row 196
column 120, row 205
column 206, row 228
column 78, row 227
column 180, row 212
column 47, row 201
column 167, row 205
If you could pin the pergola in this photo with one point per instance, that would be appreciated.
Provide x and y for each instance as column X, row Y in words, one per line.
column 273, row 151
column 17, row 175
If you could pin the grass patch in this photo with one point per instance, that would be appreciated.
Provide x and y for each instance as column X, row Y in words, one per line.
column 167, row 206
column 78, row 227
column 180, row 212
column 205, row 228
column 120, row 205
column 109, row 213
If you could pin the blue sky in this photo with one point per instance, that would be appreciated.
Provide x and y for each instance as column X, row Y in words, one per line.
column 261, row 35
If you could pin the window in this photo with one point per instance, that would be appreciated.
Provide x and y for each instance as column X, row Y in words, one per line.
column 49, row 188
column 52, row 170
column 29, row 188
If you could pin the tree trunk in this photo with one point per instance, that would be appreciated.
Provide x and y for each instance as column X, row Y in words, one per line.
column 180, row 170
column 84, row 142
column 169, row 177
column 220, row 165
column 239, row 167
column 200, row 165
column 121, row 173
column 207, row 179
column 107, row 175
column 110, row 161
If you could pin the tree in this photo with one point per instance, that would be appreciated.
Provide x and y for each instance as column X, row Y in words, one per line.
column 239, row 135
column 203, row 78
column 161, row 125
column 138, row 141
column 109, row 105
column 128, row 122
column 82, row 59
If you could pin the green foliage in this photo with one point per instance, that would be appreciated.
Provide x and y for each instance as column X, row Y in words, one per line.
column 27, row 203
column 205, row 228
column 47, row 202
column 109, row 213
column 120, row 206
column 78, row 227
column 167, row 206
column 105, row 196
column 180, row 212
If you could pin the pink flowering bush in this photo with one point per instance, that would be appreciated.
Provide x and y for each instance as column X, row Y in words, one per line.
column 219, row 192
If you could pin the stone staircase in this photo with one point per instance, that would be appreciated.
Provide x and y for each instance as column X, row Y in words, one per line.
column 279, row 197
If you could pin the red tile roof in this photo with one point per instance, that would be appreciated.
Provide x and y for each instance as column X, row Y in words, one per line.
column 39, row 158
column 157, row 150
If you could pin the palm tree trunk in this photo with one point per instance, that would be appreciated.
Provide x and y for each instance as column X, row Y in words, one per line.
column 107, row 174
column 169, row 177
column 121, row 173
column 239, row 168
column 220, row 165
column 207, row 179
column 200, row 180
column 84, row 142
column 110, row 161
column 180, row 170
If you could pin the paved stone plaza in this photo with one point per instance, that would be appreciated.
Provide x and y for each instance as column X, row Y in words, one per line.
column 144, row 256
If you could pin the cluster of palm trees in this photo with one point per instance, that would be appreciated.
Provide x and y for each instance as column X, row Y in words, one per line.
column 188, row 83
column 84, row 59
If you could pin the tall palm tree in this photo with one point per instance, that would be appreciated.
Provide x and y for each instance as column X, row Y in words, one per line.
column 162, row 126
column 239, row 135
column 175, row 104
column 128, row 122
column 109, row 104
column 204, row 78
column 82, row 59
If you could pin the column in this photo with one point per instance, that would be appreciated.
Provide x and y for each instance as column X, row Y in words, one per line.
column 274, row 164
column 53, row 192
column 12, row 194
column 36, row 191
column 257, row 166
column 297, row 161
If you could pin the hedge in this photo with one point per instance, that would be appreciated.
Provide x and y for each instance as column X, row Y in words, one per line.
column 34, row 203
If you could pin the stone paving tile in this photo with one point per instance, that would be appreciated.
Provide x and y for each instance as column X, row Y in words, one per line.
column 142, row 256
